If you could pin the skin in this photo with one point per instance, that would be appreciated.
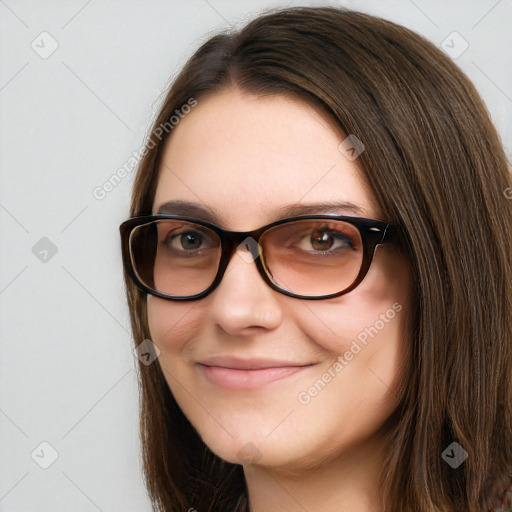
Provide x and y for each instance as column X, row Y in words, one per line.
column 246, row 157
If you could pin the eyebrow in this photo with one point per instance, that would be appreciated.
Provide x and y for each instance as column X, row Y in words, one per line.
column 208, row 214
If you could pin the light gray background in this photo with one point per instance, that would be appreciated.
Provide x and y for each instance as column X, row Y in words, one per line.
column 68, row 122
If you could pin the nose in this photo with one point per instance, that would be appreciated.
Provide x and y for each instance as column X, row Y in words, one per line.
column 243, row 301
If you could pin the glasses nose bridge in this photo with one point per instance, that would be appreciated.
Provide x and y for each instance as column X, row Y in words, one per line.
column 232, row 240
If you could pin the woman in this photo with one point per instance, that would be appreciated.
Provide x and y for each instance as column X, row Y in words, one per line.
column 319, row 255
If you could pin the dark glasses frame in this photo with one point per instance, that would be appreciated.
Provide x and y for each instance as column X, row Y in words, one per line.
column 373, row 232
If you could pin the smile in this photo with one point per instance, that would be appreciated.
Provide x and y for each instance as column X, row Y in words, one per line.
column 247, row 375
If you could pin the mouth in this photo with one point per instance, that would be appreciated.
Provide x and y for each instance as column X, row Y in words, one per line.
column 238, row 374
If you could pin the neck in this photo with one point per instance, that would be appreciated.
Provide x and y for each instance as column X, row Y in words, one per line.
column 347, row 483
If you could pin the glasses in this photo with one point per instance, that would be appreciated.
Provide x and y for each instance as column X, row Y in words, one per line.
column 307, row 257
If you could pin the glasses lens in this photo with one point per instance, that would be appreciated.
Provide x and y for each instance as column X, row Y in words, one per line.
column 313, row 257
column 175, row 257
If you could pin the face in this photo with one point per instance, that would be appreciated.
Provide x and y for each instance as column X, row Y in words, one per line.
column 330, row 366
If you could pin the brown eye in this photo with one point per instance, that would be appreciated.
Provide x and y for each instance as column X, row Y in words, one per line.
column 321, row 240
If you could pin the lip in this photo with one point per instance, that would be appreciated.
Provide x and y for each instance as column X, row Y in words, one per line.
column 245, row 374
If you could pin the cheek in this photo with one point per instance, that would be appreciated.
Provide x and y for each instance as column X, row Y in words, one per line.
column 172, row 323
column 374, row 310
column 365, row 333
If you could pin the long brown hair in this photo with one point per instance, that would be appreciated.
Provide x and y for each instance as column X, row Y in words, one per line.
column 435, row 163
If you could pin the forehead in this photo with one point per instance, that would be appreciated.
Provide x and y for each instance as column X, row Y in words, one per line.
column 248, row 158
